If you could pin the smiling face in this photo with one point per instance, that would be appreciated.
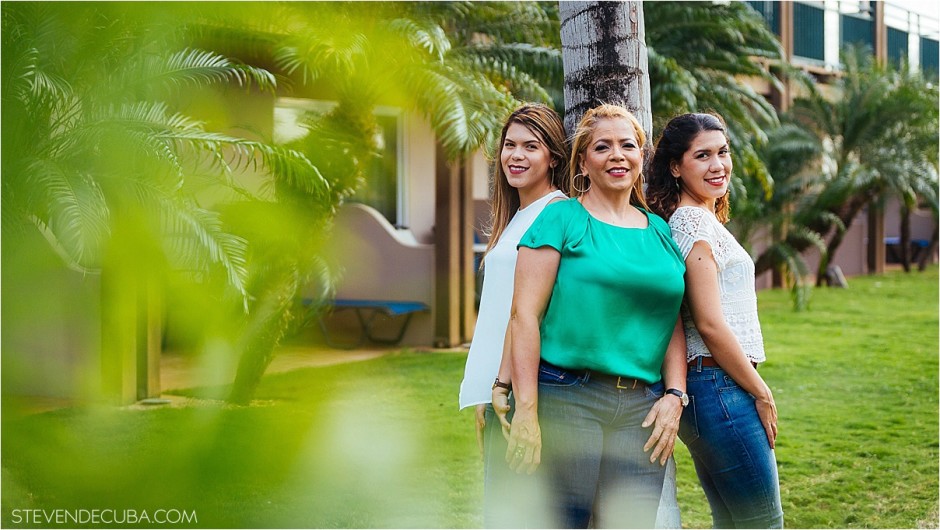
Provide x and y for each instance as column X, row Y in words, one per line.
column 525, row 159
column 705, row 168
column 613, row 157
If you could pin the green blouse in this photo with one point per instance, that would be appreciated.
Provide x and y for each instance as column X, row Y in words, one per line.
column 616, row 296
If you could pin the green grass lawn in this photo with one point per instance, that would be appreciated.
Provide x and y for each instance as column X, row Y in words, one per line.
column 380, row 443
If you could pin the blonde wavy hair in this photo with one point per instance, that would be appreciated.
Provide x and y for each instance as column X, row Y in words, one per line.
column 582, row 137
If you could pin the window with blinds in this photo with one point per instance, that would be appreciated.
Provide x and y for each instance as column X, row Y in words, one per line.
column 808, row 32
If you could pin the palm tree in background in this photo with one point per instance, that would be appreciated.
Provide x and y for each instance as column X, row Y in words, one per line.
column 102, row 159
column 90, row 136
column 914, row 153
column 698, row 51
column 459, row 64
column 877, row 139
column 102, row 163
column 791, row 155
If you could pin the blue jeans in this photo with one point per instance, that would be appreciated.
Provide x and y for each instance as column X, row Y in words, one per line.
column 733, row 459
column 592, row 449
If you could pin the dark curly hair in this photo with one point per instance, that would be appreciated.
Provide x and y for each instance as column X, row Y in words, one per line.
column 662, row 193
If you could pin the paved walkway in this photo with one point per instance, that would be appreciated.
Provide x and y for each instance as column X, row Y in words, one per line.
column 182, row 371
column 187, row 371
column 179, row 371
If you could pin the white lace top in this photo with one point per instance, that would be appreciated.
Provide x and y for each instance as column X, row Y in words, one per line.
column 735, row 281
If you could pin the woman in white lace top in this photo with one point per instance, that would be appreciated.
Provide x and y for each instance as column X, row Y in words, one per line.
column 730, row 425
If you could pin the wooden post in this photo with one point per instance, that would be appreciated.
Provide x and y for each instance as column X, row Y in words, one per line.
column 118, row 336
column 447, row 220
column 781, row 100
column 131, row 328
column 149, row 340
column 880, row 37
column 876, row 216
column 876, row 238
column 467, row 272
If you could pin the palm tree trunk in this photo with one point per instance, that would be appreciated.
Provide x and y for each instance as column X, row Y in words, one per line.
column 822, row 276
column 267, row 325
column 846, row 214
column 905, row 237
column 929, row 251
column 780, row 231
column 603, row 46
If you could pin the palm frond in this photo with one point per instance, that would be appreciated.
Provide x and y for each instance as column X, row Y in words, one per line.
column 796, row 269
column 540, row 62
column 675, row 88
column 423, row 35
column 237, row 154
column 323, row 50
column 192, row 67
column 164, row 136
column 501, row 22
column 71, row 208
column 500, row 73
column 456, row 104
column 195, row 237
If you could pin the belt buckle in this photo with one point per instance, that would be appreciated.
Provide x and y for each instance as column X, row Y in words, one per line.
column 622, row 387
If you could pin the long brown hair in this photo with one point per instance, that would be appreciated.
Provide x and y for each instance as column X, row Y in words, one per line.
column 676, row 139
column 584, row 132
column 544, row 123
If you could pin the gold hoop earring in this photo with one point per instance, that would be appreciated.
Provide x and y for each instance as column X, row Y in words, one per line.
column 574, row 183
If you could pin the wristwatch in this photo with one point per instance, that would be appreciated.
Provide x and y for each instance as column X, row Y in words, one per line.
column 501, row 384
column 683, row 397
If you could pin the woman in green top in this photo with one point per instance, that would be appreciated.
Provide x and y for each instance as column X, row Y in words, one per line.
column 597, row 350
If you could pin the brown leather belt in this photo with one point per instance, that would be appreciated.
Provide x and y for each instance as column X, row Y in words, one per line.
column 710, row 361
column 622, row 383
column 619, row 382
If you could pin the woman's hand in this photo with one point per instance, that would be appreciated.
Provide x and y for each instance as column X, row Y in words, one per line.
column 524, row 453
column 767, row 410
column 479, row 414
column 501, row 407
column 665, row 414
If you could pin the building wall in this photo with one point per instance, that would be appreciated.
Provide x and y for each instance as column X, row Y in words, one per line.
column 922, row 221
column 51, row 320
column 419, row 147
column 851, row 255
column 479, row 169
column 419, row 181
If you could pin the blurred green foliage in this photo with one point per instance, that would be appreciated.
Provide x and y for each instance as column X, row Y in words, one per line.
column 125, row 179
column 380, row 444
column 113, row 151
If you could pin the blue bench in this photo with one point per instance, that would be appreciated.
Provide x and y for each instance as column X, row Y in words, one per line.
column 366, row 313
column 893, row 245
